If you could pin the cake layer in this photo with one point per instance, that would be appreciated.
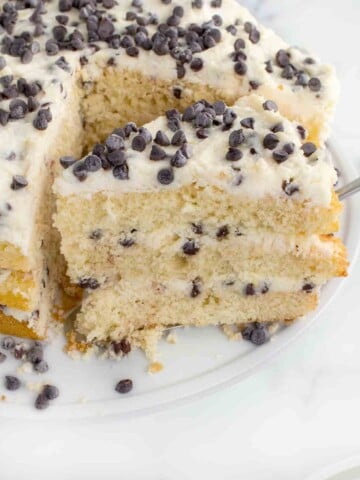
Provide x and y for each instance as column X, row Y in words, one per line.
column 19, row 290
column 114, row 313
column 176, row 251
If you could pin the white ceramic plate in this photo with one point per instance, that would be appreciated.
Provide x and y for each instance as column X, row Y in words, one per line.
column 348, row 469
column 202, row 361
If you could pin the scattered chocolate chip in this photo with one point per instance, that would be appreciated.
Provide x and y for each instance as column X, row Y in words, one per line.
column 247, row 123
column 92, row 163
column 41, row 402
column 289, row 148
column 222, row 232
column 315, row 84
column 12, row 383
column 50, row 392
column 233, row 154
column 123, row 346
column 88, row 282
column 264, row 289
column 308, row 287
column 270, row 141
column 96, row 234
column 240, row 67
column 138, row 143
column 289, row 188
column 79, row 171
column 18, row 182
column 219, row 107
column 190, row 247
column 280, row 155
column 269, row 67
column 124, row 386
column 165, row 176
column 67, row 161
column 195, row 287
column 197, row 228
column 308, row 148
column 161, row 138
column 236, row 138
column 157, row 153
column 8, row 343
column 177, row 92
column 202, row 133
column 178, row 160
column 270, row 105
column 41, row 367
column 35, row 353
column 256, row 333
column 282, row 58
column 249, row 289
column 302, row 132
column 121, row 172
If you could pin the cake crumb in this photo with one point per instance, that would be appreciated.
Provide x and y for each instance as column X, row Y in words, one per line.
column 155, row 367
column 25, row 368
column 3, row 398
column 35, row 387
column 232, row 332
column 171, row 338
column 82, row 399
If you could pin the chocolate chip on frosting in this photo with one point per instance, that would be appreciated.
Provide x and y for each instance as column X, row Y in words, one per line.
column 236, row 138
column 67, row 161
column 178, row 160
column 315, row 84
column 161, row 139
column 247, row 123
column 138, row 143
column 165, row 176
column 88, row 282
column 270, row 105
column 121, row 172
column 233, row 154
column 270, row 141
column 157, row 153
column 308, row 148
column 18, row 182
column 289, row 187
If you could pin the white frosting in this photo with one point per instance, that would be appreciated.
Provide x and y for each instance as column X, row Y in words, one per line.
column 33, row 148
column 261, row 175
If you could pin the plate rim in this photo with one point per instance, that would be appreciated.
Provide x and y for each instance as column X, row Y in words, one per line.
column 232, row 372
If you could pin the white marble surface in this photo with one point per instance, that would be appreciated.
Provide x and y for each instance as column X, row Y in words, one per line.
column 299, row 414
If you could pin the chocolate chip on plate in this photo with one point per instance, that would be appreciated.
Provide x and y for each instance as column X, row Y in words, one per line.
column 124, row 386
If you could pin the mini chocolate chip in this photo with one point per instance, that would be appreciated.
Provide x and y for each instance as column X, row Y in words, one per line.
column 40, row 122
column 124, row 346
column 282, row 58
column 190, row 247
column 289, row 188
column 195, row 287
column 114, row 142
column 41, row 367
column 161, row 138
column 2, row 357
column 302, row 132
column 165, row 176
column 132, row 51
column 50, row 392
column 279, row 127
column 174, row 124
column 35, row 354
column 268, row 66
column 144, row 132
column 270, row 105
column 222, row 232
column 33, row 104
column 177, row 92
column 12, row 383
column 233, row 154
column 239, row 44
column 202, row 133
column 2, row 63
column 231, row 29
column 8, row 343
column 229, row 117
column 288, row 72
column 280, row 155
column 18, row 109
column 51, row 47
column 236, row 138
column 18, row 182
column 96, row 234
column 264, row 289
column 92, row 163
column 157, row 153
column 270, row 141
column 302, row 79
column 219, row 107
column 4, row 117
column 41, row 402
column 62, row 19
column 127, row 242
column 180, row 71
column 116, row 158
column 178, row 138
column 249, row 289
column 124, row 386
column 121, row 172
column 197, row 228
column 247, row 123
column 79, row 171
column 289, row 148
column 308, row 287
column 178, row 160
column 240, row 67
column 88, row 282
column 138, row 143
column 315, row 84
column 308, row 148
column 256, row 333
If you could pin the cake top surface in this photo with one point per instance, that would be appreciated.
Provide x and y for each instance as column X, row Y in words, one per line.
column 45, row 46
column 248, row 149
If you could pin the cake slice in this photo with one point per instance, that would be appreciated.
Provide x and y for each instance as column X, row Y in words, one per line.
column 219, row 215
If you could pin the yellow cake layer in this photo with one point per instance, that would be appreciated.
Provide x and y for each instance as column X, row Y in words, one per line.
column 10, row 326
column 19, row 290
column 116, row 312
